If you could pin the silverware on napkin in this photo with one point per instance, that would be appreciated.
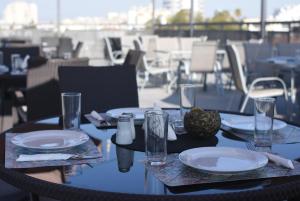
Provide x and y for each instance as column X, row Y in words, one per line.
column 99, row 118
column 53, row 156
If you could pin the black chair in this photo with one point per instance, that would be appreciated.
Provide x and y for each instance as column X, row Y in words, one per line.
column 42, row 95
column 65, row 46
column 134, row 58
column 102, row 88
column 43, row 100
column 76, row 51
column 32, row 51
column 11, row 193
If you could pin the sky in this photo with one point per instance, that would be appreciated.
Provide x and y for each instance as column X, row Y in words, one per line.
column 75, row 8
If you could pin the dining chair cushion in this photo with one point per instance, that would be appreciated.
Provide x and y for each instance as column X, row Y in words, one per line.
column 102, row 88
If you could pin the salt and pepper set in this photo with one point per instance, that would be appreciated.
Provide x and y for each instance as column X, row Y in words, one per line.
column 125, row 129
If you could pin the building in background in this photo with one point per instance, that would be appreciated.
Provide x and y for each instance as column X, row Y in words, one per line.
column 287, row 13
column 176, row 5
column 21, row 13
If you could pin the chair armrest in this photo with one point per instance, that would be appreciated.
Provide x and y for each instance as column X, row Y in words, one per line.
column 161, row 51
column 269, row 79
column 19, row 101
column 19, row 98
column 117, row 54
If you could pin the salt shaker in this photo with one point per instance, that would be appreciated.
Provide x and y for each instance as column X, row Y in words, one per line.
column 124, row 136
column 132, row 124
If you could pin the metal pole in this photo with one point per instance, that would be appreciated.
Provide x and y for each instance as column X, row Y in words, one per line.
column 263, row 13
column 153, row 15
column 58, row 16
column 192, row 19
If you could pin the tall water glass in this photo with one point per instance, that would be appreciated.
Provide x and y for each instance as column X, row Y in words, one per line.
column 188, row 97
column 264, row 114
column 156, row 133
column 71, row 110
column 297, row 54
column 1, row 58
column 16, row 63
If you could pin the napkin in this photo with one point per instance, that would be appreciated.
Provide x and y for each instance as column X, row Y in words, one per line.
column 171, row 133
column 43, row 157
column 54, row 156
column 97, row 116
column 279, row 160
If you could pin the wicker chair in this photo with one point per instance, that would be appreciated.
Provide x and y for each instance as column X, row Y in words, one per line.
column 42, row 95
column 101, row 88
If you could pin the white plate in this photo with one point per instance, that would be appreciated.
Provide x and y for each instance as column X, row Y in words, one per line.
column 246, row 123
column 3, row 69
column 138, row 112
column 50, row 139
column 223, row 160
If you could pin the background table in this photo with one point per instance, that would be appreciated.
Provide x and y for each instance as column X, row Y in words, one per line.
column 8, row 84
column 104, row 181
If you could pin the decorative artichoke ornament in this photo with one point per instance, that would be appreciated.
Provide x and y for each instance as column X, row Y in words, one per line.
column 200, row 123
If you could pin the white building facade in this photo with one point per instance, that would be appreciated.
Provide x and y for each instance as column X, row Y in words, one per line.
column 176, row 5
column 21, row 13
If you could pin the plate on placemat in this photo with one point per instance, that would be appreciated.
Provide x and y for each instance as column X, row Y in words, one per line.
column 223, row 160
column 246, row 123
column 50, row 140
column 138, row 112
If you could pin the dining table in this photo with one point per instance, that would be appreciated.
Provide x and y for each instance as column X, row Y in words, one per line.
column 122, row 173
column 285, row 63
column 10, row 82
column 183, row 59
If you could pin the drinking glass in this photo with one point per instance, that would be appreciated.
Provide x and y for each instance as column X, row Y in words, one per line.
column 67, row 55
column 71, row 110
column 125, row 158
column 156, row 133
column 16, row 63
column 188, row 97
column 297, row 54
column 264, row 113
column 1, row 58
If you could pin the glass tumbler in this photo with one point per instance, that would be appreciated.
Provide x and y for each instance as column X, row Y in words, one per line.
column 156, row 133
column 1, row 58
column 16, row 63
column 188, row 98
column 264, row 114
column 71, row 110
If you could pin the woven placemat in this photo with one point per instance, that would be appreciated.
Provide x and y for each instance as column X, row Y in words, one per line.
column 175, row 173
column 12, row 152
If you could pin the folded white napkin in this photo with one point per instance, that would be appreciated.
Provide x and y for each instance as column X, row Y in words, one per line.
column 54, row 156
column 171, row 133
column 43, row 157
column 96, row 115
column 279, row 160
